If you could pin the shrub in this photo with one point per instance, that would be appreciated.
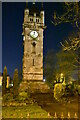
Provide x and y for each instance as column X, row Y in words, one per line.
column 70, row 89
column 15, row 83
column 23, row 96
column 63, row 92
column 4, row 80
column 8, row 97
column 79, row 89
column 59, row 91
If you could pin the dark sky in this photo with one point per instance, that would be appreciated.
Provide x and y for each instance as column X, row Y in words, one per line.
column 12, row 43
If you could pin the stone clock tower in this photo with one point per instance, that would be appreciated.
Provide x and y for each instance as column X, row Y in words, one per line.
column 33, row 27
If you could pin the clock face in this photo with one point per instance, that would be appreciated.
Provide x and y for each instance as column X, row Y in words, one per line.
column 34, row 34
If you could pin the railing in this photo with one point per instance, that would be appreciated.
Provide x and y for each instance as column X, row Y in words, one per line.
column 55, row 116
column 49, row 117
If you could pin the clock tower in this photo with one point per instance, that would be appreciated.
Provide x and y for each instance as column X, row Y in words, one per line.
column 33, row 27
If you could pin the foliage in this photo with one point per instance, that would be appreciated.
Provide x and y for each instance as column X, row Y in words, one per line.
column 57, row 63
column 23, row 96
column 4, row 80
column 8, row 97
column 15, row 83
column 73, row 42
column 71, row 15
column 63, row 92
column 69, row 90
column 35, row 111
column 65, row 63
column 50, row 67
column 59, row 90
column 77, row 89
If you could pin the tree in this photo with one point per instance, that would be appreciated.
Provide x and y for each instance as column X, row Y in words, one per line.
column 71, row 15
column 50, row 67
column 15, row 83
column 4, row 80
column 66, row 63
column 57, row 63
column 73, row 44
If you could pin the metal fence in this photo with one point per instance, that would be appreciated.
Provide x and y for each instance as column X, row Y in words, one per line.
column 55, row 116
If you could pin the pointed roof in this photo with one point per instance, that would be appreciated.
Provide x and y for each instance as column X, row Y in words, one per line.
column 26, row 4
column 42, row 6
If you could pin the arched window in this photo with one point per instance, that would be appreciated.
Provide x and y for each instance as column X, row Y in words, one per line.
column 30, row 19
column 38, row 20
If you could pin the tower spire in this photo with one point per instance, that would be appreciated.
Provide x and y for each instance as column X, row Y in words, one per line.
column 26, row 3
column 42, row 5
column 34, row 2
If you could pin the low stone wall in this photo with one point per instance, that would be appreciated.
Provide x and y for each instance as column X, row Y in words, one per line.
column 34, row 86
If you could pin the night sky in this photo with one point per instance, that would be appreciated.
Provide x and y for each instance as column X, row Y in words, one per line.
column 12, row 41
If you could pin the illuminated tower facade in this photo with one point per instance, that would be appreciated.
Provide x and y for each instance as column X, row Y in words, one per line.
column 33, row 27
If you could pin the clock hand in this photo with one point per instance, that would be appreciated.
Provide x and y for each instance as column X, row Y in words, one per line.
column 34, row 33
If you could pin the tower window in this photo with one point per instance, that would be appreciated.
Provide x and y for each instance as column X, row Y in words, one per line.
column 33, row 62
column 37, row 20
column 31, row 19
column 34, row 44
column 33, row 47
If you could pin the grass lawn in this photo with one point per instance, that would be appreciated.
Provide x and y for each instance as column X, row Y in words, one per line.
column 35, row 111
column 45, row 104
column 49, row 104
column 28, row 111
